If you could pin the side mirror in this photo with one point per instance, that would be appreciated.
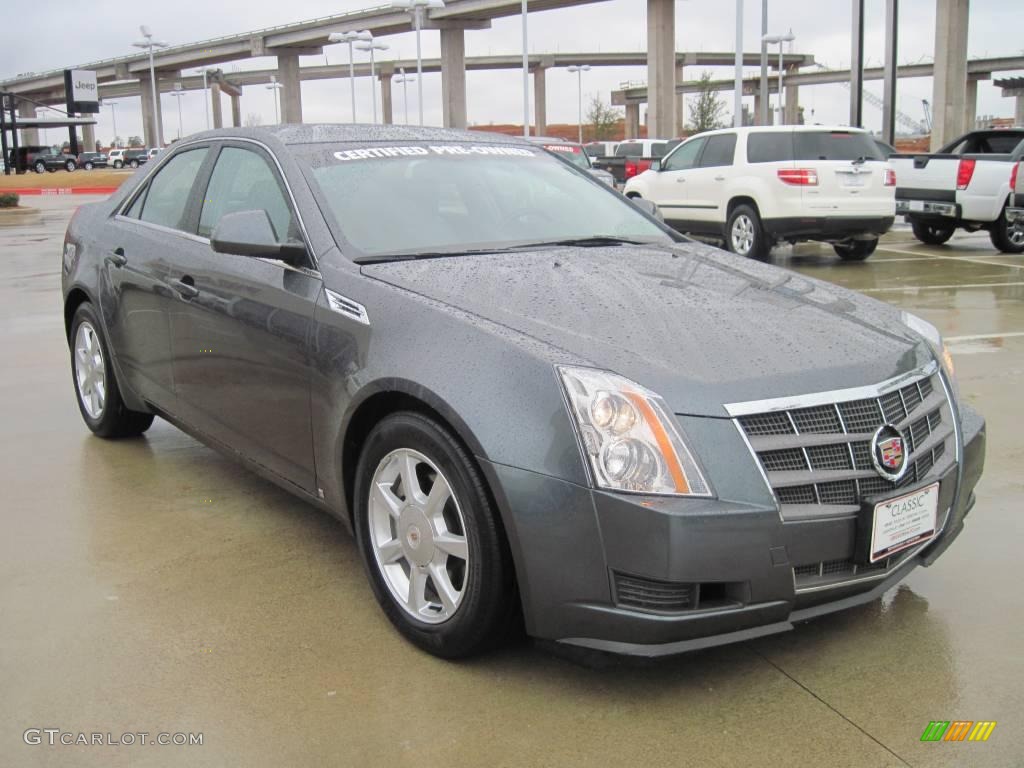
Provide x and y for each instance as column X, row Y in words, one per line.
column 655, row 165
column 250, row 233
column 651, row 209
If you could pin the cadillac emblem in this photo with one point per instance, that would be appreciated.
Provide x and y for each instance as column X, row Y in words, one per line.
column 889, row 453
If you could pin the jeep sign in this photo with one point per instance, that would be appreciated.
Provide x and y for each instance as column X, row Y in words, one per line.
column 81, row 90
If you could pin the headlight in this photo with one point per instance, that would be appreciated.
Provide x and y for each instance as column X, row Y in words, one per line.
column 934, row 338
column 630, row 440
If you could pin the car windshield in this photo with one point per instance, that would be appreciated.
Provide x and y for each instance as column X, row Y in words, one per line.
column 437, row 198
column 572, row 152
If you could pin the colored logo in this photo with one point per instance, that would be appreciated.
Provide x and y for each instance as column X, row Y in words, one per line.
column 888, row 453
column 958, row 730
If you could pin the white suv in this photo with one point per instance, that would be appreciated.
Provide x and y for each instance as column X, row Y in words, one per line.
column 757, row 186
column 115, row 158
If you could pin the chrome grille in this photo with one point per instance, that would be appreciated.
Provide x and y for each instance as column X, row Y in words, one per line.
column 818, row 459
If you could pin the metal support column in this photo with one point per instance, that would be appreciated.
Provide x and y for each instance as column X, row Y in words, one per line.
column 857, row 65
column 892, row 12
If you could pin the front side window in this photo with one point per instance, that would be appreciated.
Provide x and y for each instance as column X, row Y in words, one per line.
column 455, row 197
column 166, row 199
column 684, row 157
column 719, row 151
column 242, row 180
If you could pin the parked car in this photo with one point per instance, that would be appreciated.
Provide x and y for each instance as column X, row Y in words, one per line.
column 133, row 158
column 966, row 184
column 90, row 160
column 49, row 159
column 757, row 186
column 152, row 152
column 600, row 149
column 573, row 153
column 116, row 158
column 527, row 397
column 635, row 156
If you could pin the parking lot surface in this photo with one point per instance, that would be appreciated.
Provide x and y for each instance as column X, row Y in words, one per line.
column 153, row 585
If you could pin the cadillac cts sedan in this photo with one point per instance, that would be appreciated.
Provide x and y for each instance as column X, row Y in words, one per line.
column 532, row 403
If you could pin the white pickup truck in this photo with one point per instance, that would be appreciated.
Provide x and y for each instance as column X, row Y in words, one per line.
column 965, row 184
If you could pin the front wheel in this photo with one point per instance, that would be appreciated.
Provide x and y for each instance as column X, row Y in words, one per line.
column 744, row 233
column 99, row 397
column 88, row 166
column 40, row 167
column 931, row 234
column 1007, row 237
column 430, row 538
column 134, row 163
column 118, row 165
column 855, row 250
column 70, row 166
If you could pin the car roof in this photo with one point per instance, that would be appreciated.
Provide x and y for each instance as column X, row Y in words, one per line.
column 327, row 133
column 782, row 129
column 552, row 140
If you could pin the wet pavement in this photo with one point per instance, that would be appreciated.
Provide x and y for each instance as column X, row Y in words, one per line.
column 153, row 585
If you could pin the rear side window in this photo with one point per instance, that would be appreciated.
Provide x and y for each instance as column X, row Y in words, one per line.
column 169, row 191
column 658, row 149
column 630, row 149
column 773, row 147
column 834, row 145
column 243, row 181
column 719, row 151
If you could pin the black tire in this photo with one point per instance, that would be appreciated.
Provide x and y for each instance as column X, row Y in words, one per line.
column 134, row 163
column 118, row 165
column 114, row 419
column 752, row 233
column 88, row 166
column 931, row 234
column 70, row 166
column 855, row 250
column 1007, row 237
column 40, row 167
column 488, row 603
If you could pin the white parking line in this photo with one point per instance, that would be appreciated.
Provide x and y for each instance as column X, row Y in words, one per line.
column 950, row 258
column 982, row 336
column 918, row 258
column 938, row 287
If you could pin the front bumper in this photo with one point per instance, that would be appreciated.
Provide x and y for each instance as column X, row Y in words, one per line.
column 577, row 551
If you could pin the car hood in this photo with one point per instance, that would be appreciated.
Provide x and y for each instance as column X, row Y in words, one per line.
column 699, row 326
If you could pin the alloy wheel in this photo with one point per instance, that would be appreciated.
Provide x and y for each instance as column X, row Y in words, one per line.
column 1015, row 233
column 418, row 536
column 742, row 234
column 90, row 370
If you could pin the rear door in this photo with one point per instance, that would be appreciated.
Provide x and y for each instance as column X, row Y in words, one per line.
column 706, row 183
column 850, row 170
column 242, row 330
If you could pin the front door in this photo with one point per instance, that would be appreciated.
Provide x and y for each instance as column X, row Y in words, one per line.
column 706, row 183
column 241, row 329
column 670, row 182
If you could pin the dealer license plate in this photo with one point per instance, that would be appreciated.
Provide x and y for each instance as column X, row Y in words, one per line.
column 904, row 522
column 852, row 179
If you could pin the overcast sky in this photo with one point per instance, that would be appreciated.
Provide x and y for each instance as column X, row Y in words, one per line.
column 821, row 28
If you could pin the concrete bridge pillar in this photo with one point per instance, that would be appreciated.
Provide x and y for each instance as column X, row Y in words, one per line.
column 88, row 138
column 291, row 92
column 950, row 81
column 236, row 110
column 680, row 101
column 540, row 100
column 218, row 112
column 792, row 116
column 633, row 121
column 387, row 111
column 152, row 114
column 28, row 135
column 1018, row 112
column 970, row 103
column 453, row 77
column 757, row 109
column 661, row 69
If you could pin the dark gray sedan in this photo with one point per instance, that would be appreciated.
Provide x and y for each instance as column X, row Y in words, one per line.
column 532, row 402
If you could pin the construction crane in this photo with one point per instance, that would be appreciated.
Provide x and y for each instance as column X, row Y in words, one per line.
column 902, row 118
column 927, row 114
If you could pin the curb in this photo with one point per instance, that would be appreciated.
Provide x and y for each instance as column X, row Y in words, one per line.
column 63, row 191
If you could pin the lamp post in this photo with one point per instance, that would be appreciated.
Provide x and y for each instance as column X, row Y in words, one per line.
column 149, row 44
column 113, row 117
column 206, row 93
column 526, row 76
column 350, row 37
column 372, row 45
column 737, row 108
column 276, row 88
column 404, row 79
column 177, row 93
column 416, row 8
column 779, row 40
column 579, row 70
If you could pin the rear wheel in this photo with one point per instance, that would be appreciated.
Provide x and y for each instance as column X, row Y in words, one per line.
column 99, row 397
column 744, row 234
column 118, row 165
column 134, row 163
column 1007, row 237
column 40, row 167
column 855, row 250
column 70, row 166
column 88, row 166
column 430, row 538
column 931, row 234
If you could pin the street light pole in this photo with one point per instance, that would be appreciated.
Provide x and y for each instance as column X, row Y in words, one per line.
column 779, row 40
column 350, row 37
column 416, row 8
column 113, row 116
column 737, row 117
column 276, row 88
column 579, row 70
column 372, row 45
column 404, row 80
column 206, row 97
column 149, row 44
column 526, row 75
column 177, row 93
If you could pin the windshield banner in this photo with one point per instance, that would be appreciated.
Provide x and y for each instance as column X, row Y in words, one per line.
column 371, row 153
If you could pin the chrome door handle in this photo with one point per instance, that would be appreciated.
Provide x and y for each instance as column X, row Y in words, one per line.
column 680, row 180
column 719, row 178
column 117, row 257
column 186, row 287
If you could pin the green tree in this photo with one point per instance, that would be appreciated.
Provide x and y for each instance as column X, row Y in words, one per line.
column 135, row 141
column 602, row 118
column 707, row 108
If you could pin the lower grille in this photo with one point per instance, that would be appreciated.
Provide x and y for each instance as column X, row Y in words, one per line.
column 829, row 572
column 672, row 596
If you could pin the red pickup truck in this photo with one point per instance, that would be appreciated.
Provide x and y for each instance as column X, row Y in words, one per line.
column 634, row 156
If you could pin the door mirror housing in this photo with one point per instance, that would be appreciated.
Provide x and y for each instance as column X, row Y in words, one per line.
column 648, row 207
column 250, row 233
column 655, row 165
